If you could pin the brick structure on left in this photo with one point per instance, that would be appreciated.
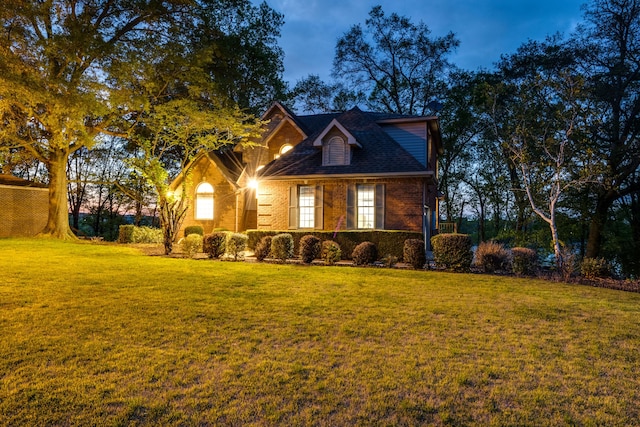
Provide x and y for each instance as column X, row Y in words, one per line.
column 23, row 207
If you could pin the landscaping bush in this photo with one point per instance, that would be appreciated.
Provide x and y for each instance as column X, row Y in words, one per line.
column 524, row 261
column 491, row 257
column 192, row 244
column 593, row 268
column 236, row 245
column 309, row 248
column 413, row 253
column 125, row 233
column 193, row 229
column 282, row 246
column 331, row 252
column 214, row 244
column 389, row 261
column 452, row 251
column 147, row 235
column 364, row 254
column 263, row 248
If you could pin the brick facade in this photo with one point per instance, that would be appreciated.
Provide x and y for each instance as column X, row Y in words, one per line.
column 24, row 210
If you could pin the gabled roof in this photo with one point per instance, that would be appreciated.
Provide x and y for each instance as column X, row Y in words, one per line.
column 228, row 162
column 379, row 153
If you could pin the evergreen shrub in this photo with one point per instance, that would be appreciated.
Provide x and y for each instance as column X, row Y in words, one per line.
column 215, row 244
column 309, row 248
column 282, row 246
column 524, row 261
column 365, row 253
column 452, row 251
column 331, row 252
column 263, row 248
column 593, row 268
column 193, row 229
column 192, row 244
column 413, row 253
column 236, row 245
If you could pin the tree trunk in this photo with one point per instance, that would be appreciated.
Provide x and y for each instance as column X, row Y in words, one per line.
column 58, row 219
column 596, row 226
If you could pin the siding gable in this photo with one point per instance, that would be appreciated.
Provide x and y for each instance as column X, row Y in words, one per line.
column 411, row 136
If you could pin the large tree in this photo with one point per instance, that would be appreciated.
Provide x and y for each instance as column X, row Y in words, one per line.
column 397, row 64
column 61, row 64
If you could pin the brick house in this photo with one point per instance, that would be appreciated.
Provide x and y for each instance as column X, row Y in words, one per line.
column 24, row 207
column 338, row 171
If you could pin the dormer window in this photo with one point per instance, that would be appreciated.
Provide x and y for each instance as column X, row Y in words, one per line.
column 284, row 150
column 335, row 152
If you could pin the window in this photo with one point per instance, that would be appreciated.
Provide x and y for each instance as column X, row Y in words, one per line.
column 204, row 201
column 283, row 150
column 336, row 152
column 305, row 206
column 365, row 206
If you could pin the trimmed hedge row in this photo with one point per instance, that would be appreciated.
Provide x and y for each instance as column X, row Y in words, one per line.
column 387, row 242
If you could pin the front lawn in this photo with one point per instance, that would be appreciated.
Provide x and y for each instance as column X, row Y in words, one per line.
column 104, row 335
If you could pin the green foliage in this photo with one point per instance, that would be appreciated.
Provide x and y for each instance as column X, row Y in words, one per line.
column 524, row 261
column 309, row 248
column 389, row 261
column 593, row 268
column 387, row 242
column 192, row 244
column 452, row 251
column 413, row 253
column 282, row 246
column 491, row 257
column 263, row 248
column 365, row 253
column 236, row 245
column 147, row 235
column 215, row 244
column 125, row 233
column 331, row 252
column 193, row 229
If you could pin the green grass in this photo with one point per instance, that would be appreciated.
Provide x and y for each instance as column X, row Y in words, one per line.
column 103, row 335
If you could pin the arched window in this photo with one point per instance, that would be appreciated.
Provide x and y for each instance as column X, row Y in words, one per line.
column 284, row 150
column 204, row 201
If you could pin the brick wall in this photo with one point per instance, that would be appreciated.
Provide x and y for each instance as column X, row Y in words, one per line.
column 403, row 203
column 23, row 210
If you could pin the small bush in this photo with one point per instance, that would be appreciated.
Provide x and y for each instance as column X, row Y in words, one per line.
column 524, row 261
column 413, row 253
column 282, row 246
column 193, row 229
column 491, row 257
column 593, row 268
column 331, row 252
column 214, row 244
column 263, row 248
column 309, row 248
column 364, row 253
column 125, row 233
column 192, row 244
column 452, row 251
column 389, row 261
column 147, row 235
column 236, row 245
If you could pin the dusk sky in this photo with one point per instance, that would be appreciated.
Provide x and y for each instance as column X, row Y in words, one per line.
column 486, row 28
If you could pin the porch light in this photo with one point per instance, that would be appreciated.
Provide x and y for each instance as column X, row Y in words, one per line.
column 253, row 184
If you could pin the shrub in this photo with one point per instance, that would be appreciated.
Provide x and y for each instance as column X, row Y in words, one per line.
column 390, row 261
column 592, row 268
column 491, row 257
column 364, row 254
column 263, row 248
column 331, row 252
column 193, row 229
column 192, row 244
column 214, row 244
column 524, row 261
column 309, row 248
column 413, row 253
column 147, row 235
column 236, row 244
column 452, row 251
column 125, row 233
column 282, row 246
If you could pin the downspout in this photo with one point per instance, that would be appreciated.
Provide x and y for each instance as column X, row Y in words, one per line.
column 426, row 221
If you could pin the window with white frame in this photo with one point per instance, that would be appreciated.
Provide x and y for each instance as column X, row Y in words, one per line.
column 366, row 203
column 306, row 206
column 204, row 201
column 335, row 152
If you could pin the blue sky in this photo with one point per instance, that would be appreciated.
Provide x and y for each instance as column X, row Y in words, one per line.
column 486, row 28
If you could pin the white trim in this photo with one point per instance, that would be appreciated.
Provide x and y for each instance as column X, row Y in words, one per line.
column 351, row 140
